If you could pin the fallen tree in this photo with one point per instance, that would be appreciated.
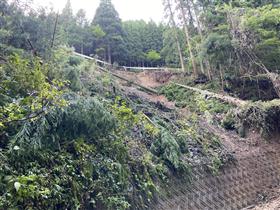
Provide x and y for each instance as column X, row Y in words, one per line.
column 263, row 117
column 229, row 99
column 274, row 77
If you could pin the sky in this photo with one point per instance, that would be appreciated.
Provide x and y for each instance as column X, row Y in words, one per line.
column 127, row 9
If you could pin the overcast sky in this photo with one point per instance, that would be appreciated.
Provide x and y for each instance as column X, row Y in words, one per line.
column 128, row 9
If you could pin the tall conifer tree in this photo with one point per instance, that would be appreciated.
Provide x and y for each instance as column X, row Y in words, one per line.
column 108, row 19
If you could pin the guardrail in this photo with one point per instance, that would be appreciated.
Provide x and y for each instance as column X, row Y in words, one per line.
column 127, row 68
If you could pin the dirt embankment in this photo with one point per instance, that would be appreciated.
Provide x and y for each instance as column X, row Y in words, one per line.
column 273, row 203
column 251, row 180
column 151, row 79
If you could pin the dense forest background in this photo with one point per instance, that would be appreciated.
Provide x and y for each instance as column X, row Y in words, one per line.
column 71, row 138
column 199, row 36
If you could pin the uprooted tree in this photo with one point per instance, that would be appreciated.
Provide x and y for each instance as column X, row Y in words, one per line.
column 257, row 45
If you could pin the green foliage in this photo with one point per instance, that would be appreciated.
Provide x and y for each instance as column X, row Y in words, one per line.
column 153, row 56
column 140, row 38
column 99, row 153
column 177, row 94
column 124, row 114
column 27, row 189
column 164, row 146
column 252, row 88
column 128, row 119
column 215, row 165
column 195, row 102
column 212, row 105
column 168, row 149
column 26, row 93
column 217, row 47
column 91, row 119
column 263, row 23
column 98, row 32
column 228, row 121
column 68, row 67
column 81, row 156
column 83, row 118
column 200, row 144
column 75, row 177
column 75, row 61
column 169, row 51
column 107, row 19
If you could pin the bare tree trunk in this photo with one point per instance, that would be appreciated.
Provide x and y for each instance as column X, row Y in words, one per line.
column 222, row 76
column 191, row 19
column 200, row 61
column 180, row 52
column 82, row 48
column 54, row 30
column 183, row 13
column 226, row 98
column 196, row 18
column 109, row 54
column 209, row 72
column 171, row 14
column 208, row 66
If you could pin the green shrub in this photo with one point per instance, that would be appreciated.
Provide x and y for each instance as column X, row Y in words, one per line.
column 71, row 179
column 83, row 154
column 229, row 121
column 84, row 117
column 75, row 61
column 25, row 91
column 193, row 101
column 181, row 96
column 168, row 149
column 73, row 77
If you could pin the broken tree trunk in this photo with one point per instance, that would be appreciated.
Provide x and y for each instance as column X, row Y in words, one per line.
column 225, row 98
column 274, row 77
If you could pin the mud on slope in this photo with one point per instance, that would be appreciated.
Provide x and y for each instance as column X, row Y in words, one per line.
column 253, row 173
column 150, row 79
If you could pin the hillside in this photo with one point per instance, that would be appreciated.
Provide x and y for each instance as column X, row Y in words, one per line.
column 111, row 114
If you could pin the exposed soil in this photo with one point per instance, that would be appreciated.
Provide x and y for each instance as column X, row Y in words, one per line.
column 272, row 202
column 271, row 205
column 240, row 148
column 151, row 79
column 253, row 144
column 160, row 99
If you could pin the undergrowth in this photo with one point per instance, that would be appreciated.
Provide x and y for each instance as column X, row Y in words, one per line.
column 193, row 101
column 102, row 149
